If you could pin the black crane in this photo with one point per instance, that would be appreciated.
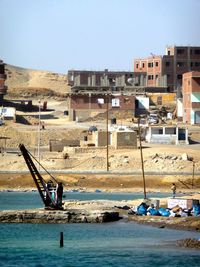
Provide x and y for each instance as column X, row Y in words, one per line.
column 50, row 192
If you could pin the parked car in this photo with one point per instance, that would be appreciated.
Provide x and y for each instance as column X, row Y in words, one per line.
column 153, row 119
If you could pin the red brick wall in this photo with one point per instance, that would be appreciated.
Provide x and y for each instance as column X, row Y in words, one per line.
column 191, row 83
column 196, row 84
column 85, row 102
column 151, row 65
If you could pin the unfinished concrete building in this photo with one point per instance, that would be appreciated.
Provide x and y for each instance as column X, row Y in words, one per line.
column 3, row 88
column 95, row 92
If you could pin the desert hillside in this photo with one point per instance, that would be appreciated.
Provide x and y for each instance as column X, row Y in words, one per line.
column 28, row 82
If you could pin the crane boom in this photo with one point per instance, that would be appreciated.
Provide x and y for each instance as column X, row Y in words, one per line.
column 50, row 194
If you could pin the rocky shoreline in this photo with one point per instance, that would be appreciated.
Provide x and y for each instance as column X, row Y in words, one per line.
column 180, row 223
column 57, row 216
column 97, row 211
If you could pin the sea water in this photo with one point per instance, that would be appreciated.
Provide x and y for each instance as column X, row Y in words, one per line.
column 109, row 244
column 29, row 200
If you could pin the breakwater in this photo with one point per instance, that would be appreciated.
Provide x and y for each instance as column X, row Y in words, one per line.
column 57, row 216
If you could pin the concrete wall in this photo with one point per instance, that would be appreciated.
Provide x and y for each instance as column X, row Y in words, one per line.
column 166, row 135
column 100, row 138
column 85, row 106
column 162, row 99
column 58, row 145
column 124, row 139
column 8, row 113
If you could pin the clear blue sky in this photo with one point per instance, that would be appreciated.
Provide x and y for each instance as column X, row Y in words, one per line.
column 58, row 35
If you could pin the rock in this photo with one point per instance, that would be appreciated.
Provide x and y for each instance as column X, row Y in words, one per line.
column 154, row 156
column 65, row 155
column 189, row 243
column 184, row 156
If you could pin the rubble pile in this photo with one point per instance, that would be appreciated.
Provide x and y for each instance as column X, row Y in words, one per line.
column 188, row 243
column 169, row 162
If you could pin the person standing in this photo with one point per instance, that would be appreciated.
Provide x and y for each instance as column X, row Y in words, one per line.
column 59, row 193
column 173, row 188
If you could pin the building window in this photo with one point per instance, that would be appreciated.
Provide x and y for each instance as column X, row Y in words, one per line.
column 180, row 64
column 137, row 66
column 143, row 65
column 100, row 101
column 150, row 77
column 156, row 76
column 179, row 76
column 167, row 64
column 150, row 64
column 180, row 51
column 115, row 102
column 197, row 51
column 156, row 63
column 191, row 64
column 197, row 64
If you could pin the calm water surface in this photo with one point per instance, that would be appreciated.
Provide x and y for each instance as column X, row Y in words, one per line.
column 26, row 200
column 109, row 244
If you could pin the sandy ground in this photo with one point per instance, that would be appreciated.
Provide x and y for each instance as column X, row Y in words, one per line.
column 158, row 158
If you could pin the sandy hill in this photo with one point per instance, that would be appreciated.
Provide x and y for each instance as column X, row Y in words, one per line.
column 28, row 82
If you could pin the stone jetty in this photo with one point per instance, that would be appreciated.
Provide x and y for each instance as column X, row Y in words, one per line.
column 73, row 212
column 58, row 216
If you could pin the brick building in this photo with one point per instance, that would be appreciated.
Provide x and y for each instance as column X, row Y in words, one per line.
column 84, row 105
column 3, row 88
column 191, row 97
column 90, row 91
column 168, row 69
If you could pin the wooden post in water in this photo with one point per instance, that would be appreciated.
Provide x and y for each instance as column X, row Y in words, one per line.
column 61, row 239
column 144, row 183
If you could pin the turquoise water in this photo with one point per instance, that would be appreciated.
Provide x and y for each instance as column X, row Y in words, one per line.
column 26, row 200
column 109, row 244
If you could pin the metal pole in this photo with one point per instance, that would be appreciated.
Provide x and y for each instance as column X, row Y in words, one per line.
column 107, row 133
column 193, row 174
column 144, row 183
column 39, row 136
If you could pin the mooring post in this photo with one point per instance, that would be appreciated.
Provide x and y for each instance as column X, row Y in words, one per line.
column 61, row 239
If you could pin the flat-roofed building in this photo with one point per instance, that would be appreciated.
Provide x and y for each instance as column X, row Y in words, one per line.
column 169, row 68
column 191, row 97
column 3, row 87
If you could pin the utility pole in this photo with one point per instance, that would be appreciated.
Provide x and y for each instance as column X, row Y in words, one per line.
column 107, row 133
column 39, row 136
column 193, row 167
column 142, row 163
